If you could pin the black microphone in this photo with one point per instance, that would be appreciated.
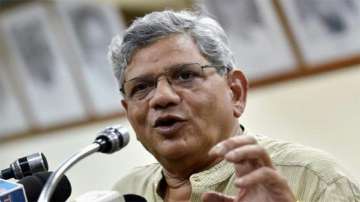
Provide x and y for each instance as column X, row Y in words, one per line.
column 34, row 184
column 109, row 196
column 25, row 166
column 110, row 140
column 134, row 198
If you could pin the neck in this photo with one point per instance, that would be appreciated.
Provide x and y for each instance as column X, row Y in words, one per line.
column 175, row 181
column 177, row 188
column 184, row 168
column 177, row 173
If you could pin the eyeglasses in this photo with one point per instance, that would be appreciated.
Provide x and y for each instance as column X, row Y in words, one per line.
column 184, row 76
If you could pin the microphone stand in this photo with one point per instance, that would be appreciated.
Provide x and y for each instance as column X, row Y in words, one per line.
column 110, row 140
column 54, row 179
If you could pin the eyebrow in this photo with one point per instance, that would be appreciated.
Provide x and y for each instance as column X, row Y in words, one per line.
column 166, row 69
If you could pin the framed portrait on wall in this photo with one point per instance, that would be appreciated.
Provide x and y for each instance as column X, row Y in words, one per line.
column 90, row 27
column 256, row 36
column 12, row 116
column 326, row 30
column 40, row 68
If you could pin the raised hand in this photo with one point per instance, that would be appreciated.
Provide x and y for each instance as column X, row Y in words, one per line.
column 256, row 177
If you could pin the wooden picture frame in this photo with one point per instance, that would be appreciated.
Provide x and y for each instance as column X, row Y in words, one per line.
column 326, row 31
column 40, row 68
column 256, row 36
column 90, row 27
column 13, row 118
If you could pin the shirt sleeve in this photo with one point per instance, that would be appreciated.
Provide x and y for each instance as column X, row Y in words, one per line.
column 341, row 190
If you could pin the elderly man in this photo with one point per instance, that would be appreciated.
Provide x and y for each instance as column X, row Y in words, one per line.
column 183, row 97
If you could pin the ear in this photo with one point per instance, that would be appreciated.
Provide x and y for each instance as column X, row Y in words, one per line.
column 238, row 88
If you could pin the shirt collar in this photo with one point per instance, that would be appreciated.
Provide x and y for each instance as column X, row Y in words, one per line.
column 215, row 175
column 212, row 176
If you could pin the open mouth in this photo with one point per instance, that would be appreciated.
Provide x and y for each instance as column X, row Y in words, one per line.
column 166, row 121
column 169, row 125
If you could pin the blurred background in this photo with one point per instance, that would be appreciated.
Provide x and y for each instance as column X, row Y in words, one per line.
column 302, row 58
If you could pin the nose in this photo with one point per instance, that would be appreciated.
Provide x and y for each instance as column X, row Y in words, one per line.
column 164, row 95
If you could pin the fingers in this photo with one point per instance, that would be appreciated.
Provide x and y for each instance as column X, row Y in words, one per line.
column 225, row 146
column 275, row 184
column 264, row 175
column 249, row 152
column 216, row 197
column 241, row 148
column 254, row 170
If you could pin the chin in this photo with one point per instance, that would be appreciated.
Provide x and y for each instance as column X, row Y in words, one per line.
column 172, row 151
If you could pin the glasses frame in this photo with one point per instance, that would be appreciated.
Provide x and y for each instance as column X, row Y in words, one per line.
column 220, row 69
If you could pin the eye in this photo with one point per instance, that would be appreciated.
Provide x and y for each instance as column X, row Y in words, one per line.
column 186, row 75
column 139, row 88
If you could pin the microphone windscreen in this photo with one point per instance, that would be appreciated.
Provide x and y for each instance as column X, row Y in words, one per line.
column 34, row 184
column 134, row 198
column 109, row 196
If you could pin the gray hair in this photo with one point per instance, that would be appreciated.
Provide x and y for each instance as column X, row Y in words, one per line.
column 208, row 35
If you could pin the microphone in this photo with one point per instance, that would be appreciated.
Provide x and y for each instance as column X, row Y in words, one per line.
column 25, row 166
column 134, row 198
column 109, row 196
column 35, row 183
column 112, row 139
column 108, row 141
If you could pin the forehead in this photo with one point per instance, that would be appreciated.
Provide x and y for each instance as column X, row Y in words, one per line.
column 166, row 52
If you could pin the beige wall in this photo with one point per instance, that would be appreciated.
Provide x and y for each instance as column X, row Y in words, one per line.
column 320, row 111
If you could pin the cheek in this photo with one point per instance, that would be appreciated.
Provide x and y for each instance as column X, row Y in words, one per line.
column 215, row 109
column 214, row 98
column 210, row 106
column 137, row 118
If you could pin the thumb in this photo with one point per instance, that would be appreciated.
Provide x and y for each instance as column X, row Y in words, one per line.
column 216, row 197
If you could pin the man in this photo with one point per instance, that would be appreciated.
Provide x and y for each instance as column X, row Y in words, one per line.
column 183, row 97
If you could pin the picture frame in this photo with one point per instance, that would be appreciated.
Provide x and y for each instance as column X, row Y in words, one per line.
column 325, row 30
column 256, row 36
column 40, row 68
column 90, row 27
column 13, row 118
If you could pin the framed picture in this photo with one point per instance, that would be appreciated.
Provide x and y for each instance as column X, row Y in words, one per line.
column 256, row 36
column 90, row 27
column 326, row 30
column 40, row 68
column 12, row 116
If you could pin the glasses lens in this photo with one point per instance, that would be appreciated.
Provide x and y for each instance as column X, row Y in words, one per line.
column 186, row 75
column 181, row 76
column 138, row 88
